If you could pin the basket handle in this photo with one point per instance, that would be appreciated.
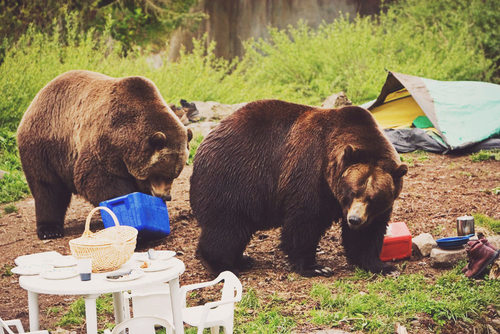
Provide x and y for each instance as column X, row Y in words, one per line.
column 87, row 231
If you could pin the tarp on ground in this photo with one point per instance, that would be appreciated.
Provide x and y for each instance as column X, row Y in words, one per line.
column 438, row 116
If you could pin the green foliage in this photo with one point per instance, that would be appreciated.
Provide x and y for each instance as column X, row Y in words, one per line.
column 407, row 158
column 485, row 155
column 13, row 187
column 11, row 208
column 376, row 305
column 426, row 38
column 307, row 65
column 495, row 190
column 131, row 22
column 488, row 222
column 6, row 270
column 193, row 147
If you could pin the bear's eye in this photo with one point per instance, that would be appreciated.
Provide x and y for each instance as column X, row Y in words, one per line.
column 158, row 140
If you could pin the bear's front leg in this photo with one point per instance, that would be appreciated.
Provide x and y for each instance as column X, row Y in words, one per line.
column 299, row 240
column 363, row 247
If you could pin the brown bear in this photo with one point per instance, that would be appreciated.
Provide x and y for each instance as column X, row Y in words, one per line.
column 100, row 137
column 277, row 164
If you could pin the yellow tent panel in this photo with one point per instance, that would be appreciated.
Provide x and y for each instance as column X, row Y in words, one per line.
column 398, row 111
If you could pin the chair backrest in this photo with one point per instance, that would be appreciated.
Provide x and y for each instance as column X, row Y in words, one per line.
column 151, row 301
column 142, row 325
column 232, row 286
column 4, row 327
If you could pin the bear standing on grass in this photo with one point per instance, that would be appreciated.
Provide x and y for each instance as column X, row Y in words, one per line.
column 277, row 164
column 99, row 137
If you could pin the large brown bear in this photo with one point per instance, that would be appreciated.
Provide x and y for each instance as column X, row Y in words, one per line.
column 277, row 164
column 99, row 137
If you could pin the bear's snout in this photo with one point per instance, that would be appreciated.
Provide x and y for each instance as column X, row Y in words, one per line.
column 161, row 188
column 357, row 214
column 354, row 220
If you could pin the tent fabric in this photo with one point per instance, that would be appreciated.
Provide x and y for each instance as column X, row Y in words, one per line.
column 409, row 140
column 463, row 113
column 389, row 114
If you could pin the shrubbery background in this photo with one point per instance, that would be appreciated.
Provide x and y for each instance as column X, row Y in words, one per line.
column 443, row 40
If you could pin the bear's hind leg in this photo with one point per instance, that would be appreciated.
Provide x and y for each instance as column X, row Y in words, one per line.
column 51, row 203
column 299, row 242
column 221, row 248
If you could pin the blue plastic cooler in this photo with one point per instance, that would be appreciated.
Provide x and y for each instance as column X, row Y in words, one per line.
column 148, row 214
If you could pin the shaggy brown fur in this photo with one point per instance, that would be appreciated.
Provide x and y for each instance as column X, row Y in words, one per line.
column 277, row 164
column 99, row 137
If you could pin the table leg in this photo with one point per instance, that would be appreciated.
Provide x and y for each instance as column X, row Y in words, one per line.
column 118, row 307
column 34, row 311
column 91, row 313
column 175, row 298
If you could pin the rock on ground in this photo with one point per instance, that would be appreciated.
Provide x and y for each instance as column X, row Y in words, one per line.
column 445, row 258
column 424, row 243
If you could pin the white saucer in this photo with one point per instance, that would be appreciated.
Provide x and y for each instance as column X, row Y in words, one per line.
column 157, row 265
column 64, row 261
column 160, row 255
column 31, row 269
column 134, row 274
column 37, row 258
column 59, row 273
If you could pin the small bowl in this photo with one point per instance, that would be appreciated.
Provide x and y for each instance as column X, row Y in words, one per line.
column 453, row 242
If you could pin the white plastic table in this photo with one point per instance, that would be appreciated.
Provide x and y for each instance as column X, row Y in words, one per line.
column 98, row 285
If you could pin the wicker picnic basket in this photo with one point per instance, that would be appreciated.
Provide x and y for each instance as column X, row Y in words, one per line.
column 109, row 248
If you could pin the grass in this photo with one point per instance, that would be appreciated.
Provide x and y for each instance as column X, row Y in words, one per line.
column 485, row 155
column 488, row 222
column 376, row 305
column 360, row 302
column 76, row 313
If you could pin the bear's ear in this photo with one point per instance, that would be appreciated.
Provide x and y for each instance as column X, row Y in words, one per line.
column 400, row 171
column 348, row 155
column 158, row 140
column 190, row 135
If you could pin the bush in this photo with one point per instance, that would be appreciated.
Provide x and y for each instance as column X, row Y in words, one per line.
column 446, row 40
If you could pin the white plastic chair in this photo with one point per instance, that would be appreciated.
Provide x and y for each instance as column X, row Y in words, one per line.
column 213, row 314
column 4, row 327
column 140, row 325
column 151, row 301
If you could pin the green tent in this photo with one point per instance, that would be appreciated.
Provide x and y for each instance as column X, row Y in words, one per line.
column 439, row 116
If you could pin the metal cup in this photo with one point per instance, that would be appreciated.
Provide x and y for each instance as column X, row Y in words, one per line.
column 465, row 225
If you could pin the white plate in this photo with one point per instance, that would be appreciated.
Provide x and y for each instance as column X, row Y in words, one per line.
column 64, row 261
column 37, row 258
column 134, row 274
column 157, row 265
column 161, row 255
column 31, row 269
column 59, row 273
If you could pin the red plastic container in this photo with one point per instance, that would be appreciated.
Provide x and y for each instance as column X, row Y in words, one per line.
column 397, row 242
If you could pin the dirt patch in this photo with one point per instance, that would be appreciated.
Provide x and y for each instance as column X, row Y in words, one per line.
column 437, row 190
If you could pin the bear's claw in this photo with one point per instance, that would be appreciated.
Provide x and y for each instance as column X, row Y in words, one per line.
column 317, row 270
column 45, row 233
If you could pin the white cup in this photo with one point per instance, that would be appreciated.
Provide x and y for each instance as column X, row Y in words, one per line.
column 84, row 266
